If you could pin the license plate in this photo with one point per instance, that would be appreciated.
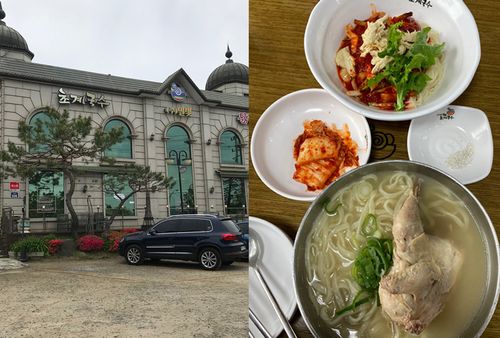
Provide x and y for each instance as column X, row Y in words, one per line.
column 243, row 248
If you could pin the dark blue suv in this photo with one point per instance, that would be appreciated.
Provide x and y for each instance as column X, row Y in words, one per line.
column 207, row 239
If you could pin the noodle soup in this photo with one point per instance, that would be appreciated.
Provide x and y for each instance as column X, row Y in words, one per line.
column 335, row 240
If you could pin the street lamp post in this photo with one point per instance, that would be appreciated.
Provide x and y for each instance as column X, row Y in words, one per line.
column 44, row 221
column 179, row 159
column 123, row 223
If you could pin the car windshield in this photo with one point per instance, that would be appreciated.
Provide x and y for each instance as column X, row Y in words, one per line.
column 230, row 225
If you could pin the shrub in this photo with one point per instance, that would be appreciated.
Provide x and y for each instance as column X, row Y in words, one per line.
column 54, row 245
column 30, row 244
column 130, row 230
column 90, row 243
column 114, row 246
column 115, row 235
column 113, row 240
column 48, row 238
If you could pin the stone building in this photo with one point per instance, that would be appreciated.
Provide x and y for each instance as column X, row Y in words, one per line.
column 199, row 137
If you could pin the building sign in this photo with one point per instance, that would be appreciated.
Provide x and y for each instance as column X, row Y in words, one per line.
column 46, row 203
column 89, row 98
column 14, row 186
column 177, row 92
column 243, row 118
column 181, row 111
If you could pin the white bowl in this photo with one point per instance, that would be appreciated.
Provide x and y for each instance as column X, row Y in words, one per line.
column 274, row 135
column 456, row 140
column 451, row 18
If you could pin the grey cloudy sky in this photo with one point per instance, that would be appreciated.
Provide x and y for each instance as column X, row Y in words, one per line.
column 146, row 40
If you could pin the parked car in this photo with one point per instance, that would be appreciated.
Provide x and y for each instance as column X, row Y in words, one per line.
column 243, row 225
column 207, row 239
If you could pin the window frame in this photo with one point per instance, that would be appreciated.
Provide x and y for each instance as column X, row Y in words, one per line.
column 30, row 124
column 177, row 208
column 238, row 147
column 227, row 206
column 105, row 208
column 129, row 138
column 55, row 214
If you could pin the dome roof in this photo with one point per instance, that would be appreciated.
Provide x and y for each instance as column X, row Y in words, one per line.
column 10, row 38
column 230, row 72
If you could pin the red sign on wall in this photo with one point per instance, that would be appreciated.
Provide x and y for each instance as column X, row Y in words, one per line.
column 14, row 185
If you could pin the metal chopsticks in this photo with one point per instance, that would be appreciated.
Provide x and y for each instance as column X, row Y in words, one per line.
column 284, row 322
column 258, row 324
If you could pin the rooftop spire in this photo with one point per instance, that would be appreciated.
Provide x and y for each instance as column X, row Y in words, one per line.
column 2, row 13
column 228, row 55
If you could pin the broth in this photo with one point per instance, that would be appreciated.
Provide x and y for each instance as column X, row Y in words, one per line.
column 335, row 240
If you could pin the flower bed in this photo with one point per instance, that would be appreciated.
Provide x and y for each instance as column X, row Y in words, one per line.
column 30, row 244
column 114, row 237
column 54, row 245
column 90, row 243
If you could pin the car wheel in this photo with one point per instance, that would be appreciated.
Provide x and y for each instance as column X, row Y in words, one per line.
column 227, row 262
column 210, row 259
column 134, row 255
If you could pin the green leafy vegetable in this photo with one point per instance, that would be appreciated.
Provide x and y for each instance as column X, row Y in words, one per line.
column 406, row 71
column 369, row 225
column 393, row 40
column 373, row 261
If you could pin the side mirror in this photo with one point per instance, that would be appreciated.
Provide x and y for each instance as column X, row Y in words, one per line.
column 152, row 232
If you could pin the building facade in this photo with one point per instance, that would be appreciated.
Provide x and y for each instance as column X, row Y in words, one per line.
column 199, row 137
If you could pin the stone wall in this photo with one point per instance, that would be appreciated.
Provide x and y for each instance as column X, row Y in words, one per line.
column 148, row 121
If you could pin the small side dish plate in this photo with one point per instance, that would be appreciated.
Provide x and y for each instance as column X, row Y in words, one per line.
column 456, row 139
column 275, row 263
column 275, row 133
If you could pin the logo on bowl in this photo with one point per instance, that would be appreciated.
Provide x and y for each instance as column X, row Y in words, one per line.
column 425, row 3
column 448, row 115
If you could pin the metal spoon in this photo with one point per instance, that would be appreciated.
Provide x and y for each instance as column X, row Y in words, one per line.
column 253, row 257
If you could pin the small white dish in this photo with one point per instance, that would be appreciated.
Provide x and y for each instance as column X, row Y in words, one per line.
column 275, row 263
column 274, row 135
column 457, row 140
column 451, row 18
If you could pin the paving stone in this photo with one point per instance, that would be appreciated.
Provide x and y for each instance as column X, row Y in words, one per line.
column 10, row 264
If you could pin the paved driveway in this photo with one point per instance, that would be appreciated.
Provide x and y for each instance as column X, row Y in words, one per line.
column 69, row 297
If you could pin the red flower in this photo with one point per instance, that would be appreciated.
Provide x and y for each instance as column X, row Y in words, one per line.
column 89, row 243
column 54, row 245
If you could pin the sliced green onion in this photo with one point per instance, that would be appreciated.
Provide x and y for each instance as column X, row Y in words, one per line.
column 357, row 301
column 332, row 211
column 369, row 225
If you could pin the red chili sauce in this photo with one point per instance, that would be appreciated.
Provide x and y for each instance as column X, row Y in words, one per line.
column 384, row 95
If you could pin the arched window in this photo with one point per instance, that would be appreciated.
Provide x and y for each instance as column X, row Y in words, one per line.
column 45, row 188
column 230, row 148
column 122, row 149
column 179, row 164
column 39, row 120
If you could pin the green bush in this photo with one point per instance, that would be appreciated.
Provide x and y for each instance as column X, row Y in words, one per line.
column 30, row 244
column 48, row 238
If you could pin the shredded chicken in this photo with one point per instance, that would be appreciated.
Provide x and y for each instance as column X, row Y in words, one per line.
column 407, row 41
column 424, row 270
column 345, row 60
column 374, row 37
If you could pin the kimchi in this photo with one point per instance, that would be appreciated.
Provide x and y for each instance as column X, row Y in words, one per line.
column 322, row 153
